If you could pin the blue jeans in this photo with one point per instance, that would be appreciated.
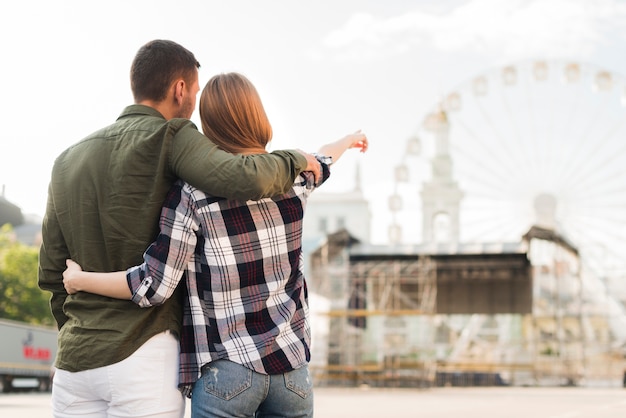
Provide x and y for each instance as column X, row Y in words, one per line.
column 228, row 389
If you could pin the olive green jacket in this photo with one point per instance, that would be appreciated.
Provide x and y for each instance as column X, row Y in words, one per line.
column 104, row 202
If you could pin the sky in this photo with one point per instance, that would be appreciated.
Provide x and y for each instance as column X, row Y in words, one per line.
column 323, row 69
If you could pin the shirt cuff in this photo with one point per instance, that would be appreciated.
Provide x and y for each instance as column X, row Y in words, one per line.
column 323, row 159
column 138, row 283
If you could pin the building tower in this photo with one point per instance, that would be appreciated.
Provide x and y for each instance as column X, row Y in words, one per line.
column 441, row 196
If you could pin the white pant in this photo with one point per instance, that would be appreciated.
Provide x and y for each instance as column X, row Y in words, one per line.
column 143, row 385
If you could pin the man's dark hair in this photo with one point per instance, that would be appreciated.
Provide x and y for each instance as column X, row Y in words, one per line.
column 156, row 65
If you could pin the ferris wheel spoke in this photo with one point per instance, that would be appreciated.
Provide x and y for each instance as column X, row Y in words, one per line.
column 495, row 167
column 605, row 258
column 548, row 134
column 536, row 160
column 604, row 205
column 609, row 226
column 481, row 210
column 604, row 188
column 601, row 145
column 599, row 218
column 521, row 150
column 554, row 155
column 605, row 178
column 500, row 229
column 515, row 163
column 580, row 154
column 599, row 231
column 484, row 178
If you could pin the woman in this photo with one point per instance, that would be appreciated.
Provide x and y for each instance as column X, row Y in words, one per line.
column 246, row 335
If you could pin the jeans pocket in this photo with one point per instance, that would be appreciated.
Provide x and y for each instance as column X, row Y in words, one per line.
column 299, row 382
column 225, row 379
column 63, row 393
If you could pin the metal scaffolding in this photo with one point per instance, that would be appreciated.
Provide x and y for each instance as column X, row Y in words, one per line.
column 380, row 331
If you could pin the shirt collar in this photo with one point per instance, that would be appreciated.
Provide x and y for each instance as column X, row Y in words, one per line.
column 138, row 109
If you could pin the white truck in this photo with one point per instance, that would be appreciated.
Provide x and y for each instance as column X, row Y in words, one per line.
column 27, row 353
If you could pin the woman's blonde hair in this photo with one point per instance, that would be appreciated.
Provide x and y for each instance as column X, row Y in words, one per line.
column 233, row 116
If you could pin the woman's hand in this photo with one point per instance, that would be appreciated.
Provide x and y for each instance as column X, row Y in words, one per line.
column 71, row 279
column 337, row 148
column 357, row 140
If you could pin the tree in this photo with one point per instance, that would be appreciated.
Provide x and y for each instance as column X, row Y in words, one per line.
column 20, row 296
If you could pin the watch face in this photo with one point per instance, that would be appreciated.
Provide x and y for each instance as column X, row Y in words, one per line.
column 324, row 159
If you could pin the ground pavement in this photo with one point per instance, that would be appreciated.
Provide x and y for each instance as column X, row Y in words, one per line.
column 408, row 403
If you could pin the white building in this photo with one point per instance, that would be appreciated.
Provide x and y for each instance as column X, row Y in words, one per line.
column 327, row 213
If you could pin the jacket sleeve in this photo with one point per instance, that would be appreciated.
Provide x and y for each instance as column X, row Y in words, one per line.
column 153, row 282
column 201, row 163
column 52, row 256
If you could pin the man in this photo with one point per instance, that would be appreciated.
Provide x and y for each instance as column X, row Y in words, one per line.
column 104, row 200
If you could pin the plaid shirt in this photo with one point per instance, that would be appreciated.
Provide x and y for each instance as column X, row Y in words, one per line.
column 246, row 296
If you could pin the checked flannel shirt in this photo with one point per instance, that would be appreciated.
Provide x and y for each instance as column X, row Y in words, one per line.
column 246, row 296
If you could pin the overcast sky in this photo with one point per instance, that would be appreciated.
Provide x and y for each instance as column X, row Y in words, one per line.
column 323, row 68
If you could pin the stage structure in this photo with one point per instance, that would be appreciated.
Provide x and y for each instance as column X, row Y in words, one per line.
column 466, row 315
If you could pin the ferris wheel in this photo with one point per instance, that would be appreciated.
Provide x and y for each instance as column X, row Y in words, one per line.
column 527, row 140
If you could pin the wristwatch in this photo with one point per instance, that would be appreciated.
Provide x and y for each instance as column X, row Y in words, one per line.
column 323, row 159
